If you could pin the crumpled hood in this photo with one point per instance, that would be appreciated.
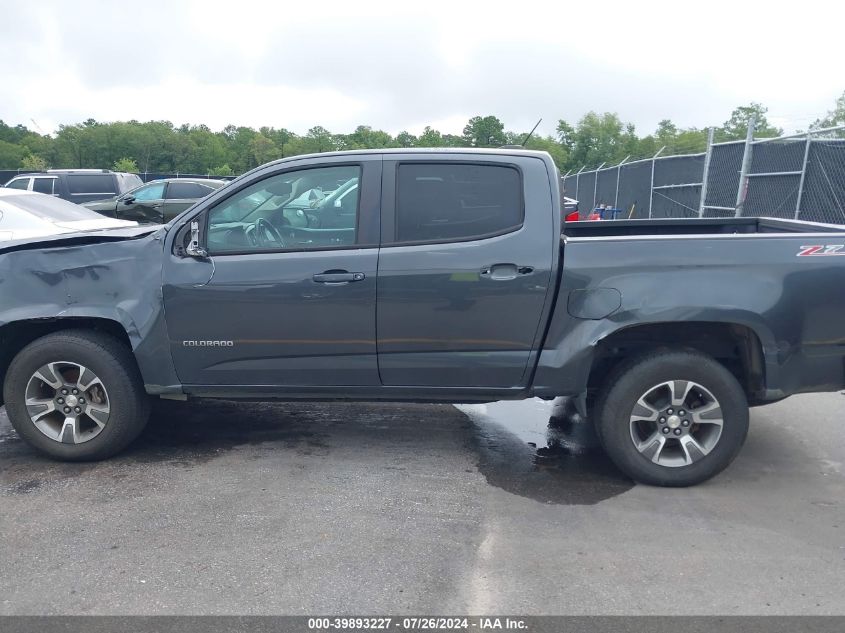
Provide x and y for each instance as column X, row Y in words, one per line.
column 81, row 236
column 93, row 225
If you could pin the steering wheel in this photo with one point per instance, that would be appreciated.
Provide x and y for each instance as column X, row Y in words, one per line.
column 263, row 229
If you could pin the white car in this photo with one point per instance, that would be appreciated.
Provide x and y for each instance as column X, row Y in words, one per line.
column 25, row 214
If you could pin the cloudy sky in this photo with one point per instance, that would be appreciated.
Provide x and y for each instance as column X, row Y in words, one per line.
column 396, row 65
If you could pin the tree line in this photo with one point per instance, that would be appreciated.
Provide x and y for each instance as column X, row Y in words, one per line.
column 160, row 146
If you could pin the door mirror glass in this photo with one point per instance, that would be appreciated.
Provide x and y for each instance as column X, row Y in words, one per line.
column 194, row 249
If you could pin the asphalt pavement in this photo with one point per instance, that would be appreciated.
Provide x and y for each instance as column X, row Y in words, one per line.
column 313, row 508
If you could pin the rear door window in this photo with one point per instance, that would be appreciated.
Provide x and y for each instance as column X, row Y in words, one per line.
column 186, row 191
column 44, row 185
column 88, row 184
column 457, row 201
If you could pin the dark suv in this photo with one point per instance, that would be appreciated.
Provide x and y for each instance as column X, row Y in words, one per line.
column 77, row 185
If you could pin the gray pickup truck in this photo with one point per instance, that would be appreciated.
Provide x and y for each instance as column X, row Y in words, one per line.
column 424, row 276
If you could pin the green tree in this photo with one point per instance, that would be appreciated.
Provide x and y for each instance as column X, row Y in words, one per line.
column 222, row 170
column 566, row 135
column 11, row 155
column 126, row 164
column 319, row 139
column 666, row 133
column 646, row 147
column 600, row 138
column 630, row 141
column 485, row 131
column 365, row 137
column 833, row 118
column 33, row 163
column 690, row 141
column 263, row 149
column 430, row 138
column 677, row 141
column 559, row 153
column 453, row 140
column 406, row 139
column 238, row 140
column 11, row 134
column 737, row 126
column 159, row 146
column 550, row 144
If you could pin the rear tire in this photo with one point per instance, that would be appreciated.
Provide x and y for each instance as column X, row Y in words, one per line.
column 672, row 418
column 76, row 395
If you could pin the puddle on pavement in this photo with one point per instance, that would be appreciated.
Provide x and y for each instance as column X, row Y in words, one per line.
column 543, row 450
column 536, row 449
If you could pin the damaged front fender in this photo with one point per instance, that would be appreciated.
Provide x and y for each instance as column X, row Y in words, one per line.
column 112, row 275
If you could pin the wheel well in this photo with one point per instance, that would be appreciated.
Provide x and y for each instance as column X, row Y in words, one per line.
column 15, row 336
column 736, row 346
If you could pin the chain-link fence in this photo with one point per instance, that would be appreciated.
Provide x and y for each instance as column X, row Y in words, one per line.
column 798, row 177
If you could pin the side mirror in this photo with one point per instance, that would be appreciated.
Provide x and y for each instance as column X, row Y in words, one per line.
column 194, row 249
column 128, row 200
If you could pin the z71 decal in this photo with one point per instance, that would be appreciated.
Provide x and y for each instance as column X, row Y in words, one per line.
column 822, row 250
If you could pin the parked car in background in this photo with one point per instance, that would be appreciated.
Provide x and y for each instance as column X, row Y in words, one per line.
column 76, row 185
column 570, row 210
column 24, row 215
column 158, row 201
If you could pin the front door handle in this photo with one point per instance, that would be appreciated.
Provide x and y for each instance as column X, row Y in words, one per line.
column 505, row 272
column 338, row 277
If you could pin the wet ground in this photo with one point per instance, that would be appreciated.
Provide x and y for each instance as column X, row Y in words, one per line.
column 311, row 508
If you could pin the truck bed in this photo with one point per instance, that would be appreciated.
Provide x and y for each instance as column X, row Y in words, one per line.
column 695, row 226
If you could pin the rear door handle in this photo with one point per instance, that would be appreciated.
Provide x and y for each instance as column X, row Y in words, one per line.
column 338, row 277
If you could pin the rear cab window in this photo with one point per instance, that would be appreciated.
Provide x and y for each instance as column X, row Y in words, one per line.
column 444, row 202
column 90, row 184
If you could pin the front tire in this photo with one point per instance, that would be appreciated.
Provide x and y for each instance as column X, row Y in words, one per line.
column 76, row 395
column 672, row 418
